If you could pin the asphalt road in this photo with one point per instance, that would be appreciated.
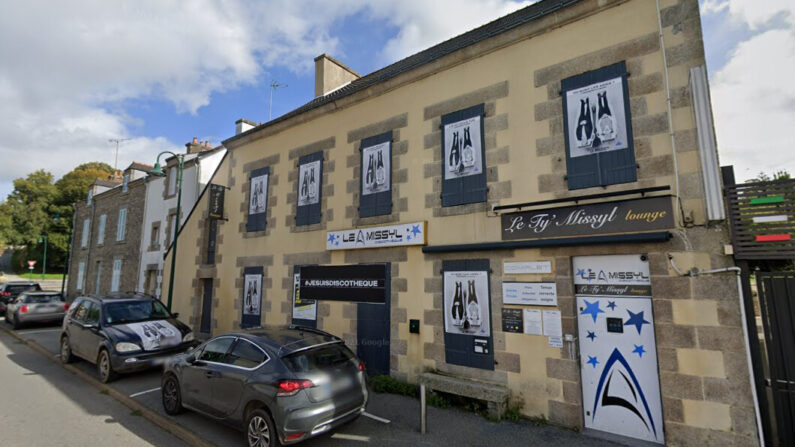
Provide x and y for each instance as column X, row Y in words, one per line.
column 390, row 420
column 45, row 405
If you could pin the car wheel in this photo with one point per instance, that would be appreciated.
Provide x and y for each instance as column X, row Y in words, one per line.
column 16, row 324
column 260, row 431
column 172, row 397
column 104, row 367
column 66, row 351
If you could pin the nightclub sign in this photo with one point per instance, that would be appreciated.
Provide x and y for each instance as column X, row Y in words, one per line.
column 377, row 237
column 655, row 213
column 361, row 283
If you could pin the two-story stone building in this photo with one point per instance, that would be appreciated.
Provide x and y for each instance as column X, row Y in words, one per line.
column 515, row 205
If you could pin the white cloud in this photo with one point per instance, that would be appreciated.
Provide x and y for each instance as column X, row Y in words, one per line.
column 753, row 94
column 69, row 67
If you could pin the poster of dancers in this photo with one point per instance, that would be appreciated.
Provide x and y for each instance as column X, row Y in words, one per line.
column 258, row 198
column 309, row 183
column 252, row 294
column 596, row 118
column 376, row 161
column 466, row 303
column 462, row 148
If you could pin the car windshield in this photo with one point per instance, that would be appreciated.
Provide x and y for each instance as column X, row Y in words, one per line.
column 131, row 311
column 37, row 299
column 321, row 358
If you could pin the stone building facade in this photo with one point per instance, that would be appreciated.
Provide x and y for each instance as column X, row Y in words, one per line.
column 105, row 250
column 513, row 78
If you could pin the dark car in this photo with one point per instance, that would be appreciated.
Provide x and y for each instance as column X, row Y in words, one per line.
column 122, row 333
column 36, row 307
column 9, row 291
column 279, row 385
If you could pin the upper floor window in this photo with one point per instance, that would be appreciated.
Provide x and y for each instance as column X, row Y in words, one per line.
column 101, row 229
column 172, row 181
column 90, row 195
column 463, row 157
column 84, row 234
column 310, row 179
column 375, row 198
column 125, row 185
column 121, row 226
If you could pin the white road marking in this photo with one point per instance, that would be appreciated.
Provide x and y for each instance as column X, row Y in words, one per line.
column 39, row 332
column 145, row 392
column 376, row 418
column 350, row 437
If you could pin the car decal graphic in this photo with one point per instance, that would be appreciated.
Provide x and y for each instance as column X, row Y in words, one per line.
column 156, row 334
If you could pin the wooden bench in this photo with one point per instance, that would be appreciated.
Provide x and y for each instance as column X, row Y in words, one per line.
column 496, row 396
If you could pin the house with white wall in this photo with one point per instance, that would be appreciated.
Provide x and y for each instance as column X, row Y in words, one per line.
column 160, row 209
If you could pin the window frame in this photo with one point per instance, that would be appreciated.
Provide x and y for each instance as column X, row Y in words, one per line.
column 81, row 275
column 84, row 237
column 103, row 218
column 471, row 188
column 121, row 225
column 203, row 348
column 115, row 276
column 234, row 345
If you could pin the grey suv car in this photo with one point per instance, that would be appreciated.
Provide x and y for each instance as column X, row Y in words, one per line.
column 281, row 385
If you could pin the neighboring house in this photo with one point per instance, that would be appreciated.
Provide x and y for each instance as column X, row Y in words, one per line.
column 107, row 234
column 502, row 207
column 201, row 162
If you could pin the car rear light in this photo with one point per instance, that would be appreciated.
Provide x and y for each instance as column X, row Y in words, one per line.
column 290, row 387
column 65, row 307
column 23, row 309
column 5, row 293
column 361, row 365
column 293, row 436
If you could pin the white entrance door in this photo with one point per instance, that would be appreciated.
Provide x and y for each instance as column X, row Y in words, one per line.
column 618, row 354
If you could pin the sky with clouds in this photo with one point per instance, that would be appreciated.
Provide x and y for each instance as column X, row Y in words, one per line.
column 162, row 72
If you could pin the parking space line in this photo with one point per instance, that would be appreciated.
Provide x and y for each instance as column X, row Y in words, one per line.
column 376, row 418
column 145, row 392
column 38, row 332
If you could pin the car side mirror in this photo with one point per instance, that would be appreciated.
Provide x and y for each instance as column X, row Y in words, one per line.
column 175, row 315
column 191, row 359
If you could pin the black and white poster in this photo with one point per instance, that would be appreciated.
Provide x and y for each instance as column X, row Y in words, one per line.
column 252, row 294
column 376, row 168
column 156, row 334
column 309, row 183
column 596, row 118
column 258, row 198
column 462, row 148
column 466, row 303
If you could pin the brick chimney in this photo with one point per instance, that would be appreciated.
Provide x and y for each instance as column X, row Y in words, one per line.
column 331, row 74
column 197, row 146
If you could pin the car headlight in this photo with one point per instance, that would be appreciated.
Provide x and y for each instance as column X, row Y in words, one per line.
column 127, row 347
column 188, row 337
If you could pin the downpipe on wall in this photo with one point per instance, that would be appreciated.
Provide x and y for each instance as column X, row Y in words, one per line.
column 737, row 271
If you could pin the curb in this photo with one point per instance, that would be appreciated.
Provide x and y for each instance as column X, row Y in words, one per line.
column 174, row 428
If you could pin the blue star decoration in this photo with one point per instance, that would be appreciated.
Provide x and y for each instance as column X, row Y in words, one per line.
column 581, row 273
column 415, row 230
column 639, row 350
column 611, row 305
column 636, row 320
column 331, row 238
column 592, row 309
column 592, row 361
column 590, row 335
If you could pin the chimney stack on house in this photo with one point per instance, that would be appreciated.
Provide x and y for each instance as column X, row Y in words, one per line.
column 331, row 74
column 197, row 146
column 243, row 125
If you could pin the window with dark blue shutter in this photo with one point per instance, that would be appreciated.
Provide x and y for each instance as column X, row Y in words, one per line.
column 252, row 297
column 466, row 312
column 258, row 199
column 463, row 157
column 375, row 198
column 310, row 182
column 598, row 128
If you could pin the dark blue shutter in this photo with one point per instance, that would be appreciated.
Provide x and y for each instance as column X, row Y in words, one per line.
column 459, row 348
column 379, row 203
column 257, row 222
column 472, row 188
column 252, row 320
column 373, row 330
column 310, row 214
column 605, row 168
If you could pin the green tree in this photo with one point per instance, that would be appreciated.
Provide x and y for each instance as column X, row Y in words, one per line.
column 781, row 174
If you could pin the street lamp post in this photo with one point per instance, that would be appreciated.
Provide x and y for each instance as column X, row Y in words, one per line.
column 158, row 170
column 43, row 238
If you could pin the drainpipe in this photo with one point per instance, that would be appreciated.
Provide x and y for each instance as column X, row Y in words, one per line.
column 737, row 271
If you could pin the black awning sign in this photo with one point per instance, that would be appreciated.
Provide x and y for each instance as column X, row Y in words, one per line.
column 360, row 283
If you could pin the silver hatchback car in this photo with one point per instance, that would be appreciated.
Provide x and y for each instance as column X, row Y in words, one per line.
column 36, row 307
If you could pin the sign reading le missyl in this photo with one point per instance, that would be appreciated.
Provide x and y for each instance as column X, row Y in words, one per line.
column 375, row 237
column 654, row 213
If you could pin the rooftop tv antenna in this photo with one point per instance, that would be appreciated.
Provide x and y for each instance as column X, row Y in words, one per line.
column 274, row 86
column 117, row 141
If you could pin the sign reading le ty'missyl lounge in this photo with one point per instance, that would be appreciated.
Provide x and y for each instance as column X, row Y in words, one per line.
column 361, row 283
column 374, row 237
column 655, row 213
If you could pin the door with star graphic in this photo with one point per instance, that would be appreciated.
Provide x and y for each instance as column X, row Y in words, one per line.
column 618, row 354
